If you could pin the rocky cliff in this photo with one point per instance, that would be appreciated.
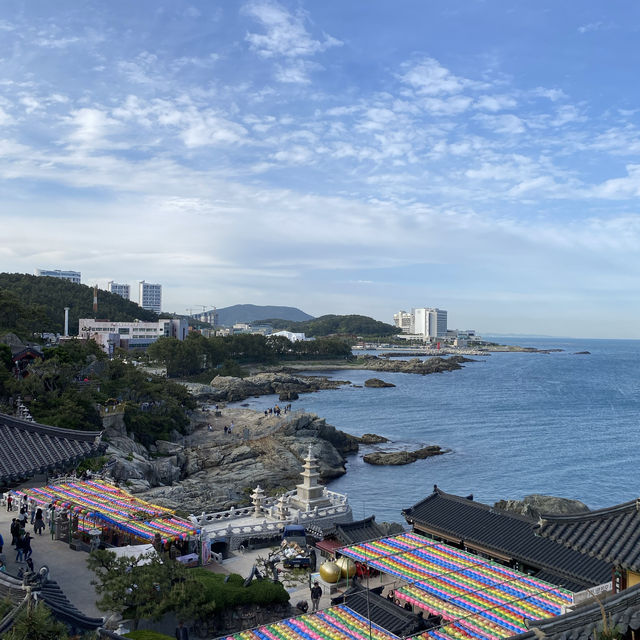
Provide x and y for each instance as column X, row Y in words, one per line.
column 211, row 469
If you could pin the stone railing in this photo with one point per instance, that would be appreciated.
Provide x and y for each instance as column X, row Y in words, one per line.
column 269, row 506
column 235, row 534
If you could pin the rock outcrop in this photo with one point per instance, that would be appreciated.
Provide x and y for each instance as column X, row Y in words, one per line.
column 376, row 383
column 416, row 365
column 372, row 438
column 402, row 457
column 212, row 470
column 535, row 505
column 232, row 389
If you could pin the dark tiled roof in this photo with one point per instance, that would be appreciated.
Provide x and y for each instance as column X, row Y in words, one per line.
column 622, row 610
column 51, row 594
column 506, row 536
column 29, row 448
column 386, row 614
column 611, row 534
column 358, row 531
column 63, row 610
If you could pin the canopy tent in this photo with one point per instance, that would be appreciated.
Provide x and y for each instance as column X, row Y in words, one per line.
column 479, row 598
column 100, row 504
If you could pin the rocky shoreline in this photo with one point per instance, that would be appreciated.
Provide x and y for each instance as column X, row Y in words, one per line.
column 210, row 470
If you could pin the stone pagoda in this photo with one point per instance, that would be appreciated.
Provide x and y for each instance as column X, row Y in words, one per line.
column 309, row 494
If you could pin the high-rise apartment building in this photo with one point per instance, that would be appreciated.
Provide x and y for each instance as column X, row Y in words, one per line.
column 123, row 290
column 429, row 322
column 403, row 320
column 73, row 276
column 150, row 296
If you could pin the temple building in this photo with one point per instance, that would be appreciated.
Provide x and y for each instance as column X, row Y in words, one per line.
column 30, row 448
column 611, row 535
column 505, row 537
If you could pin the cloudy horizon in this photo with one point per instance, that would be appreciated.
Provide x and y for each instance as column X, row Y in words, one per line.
column 336, row 157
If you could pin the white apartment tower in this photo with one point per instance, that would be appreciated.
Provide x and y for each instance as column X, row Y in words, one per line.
column 429, row 322
column 150, row 296
column 403, row 320
column 73, row 276
column 123, row 290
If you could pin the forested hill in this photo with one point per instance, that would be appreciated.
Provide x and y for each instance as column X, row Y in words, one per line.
column 352, row 325
column 36, row 303
column 228, row 316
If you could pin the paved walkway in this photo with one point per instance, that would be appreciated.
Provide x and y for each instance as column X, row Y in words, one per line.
column 67, row 567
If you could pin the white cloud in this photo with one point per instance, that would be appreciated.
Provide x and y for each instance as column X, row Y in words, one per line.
column 592, row 26
column 285, row 33
column 506, row 123
column 619, row 188
column 495, row 103
column 429, row 77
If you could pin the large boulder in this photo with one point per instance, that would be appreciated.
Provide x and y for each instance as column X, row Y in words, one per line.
column 402, row 457
column 376, row 383
column 536, row 504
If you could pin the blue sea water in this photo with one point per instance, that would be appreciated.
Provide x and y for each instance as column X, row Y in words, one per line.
column 516, row 423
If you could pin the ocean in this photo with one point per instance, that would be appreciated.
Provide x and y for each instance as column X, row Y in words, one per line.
column 516, row 423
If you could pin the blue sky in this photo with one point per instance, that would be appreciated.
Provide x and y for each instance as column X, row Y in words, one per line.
column 342, row 157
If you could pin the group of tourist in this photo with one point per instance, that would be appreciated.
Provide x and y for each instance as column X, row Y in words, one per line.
column 276, row 411
column 29, row 513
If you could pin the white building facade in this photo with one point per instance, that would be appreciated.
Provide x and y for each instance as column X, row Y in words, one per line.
column 403, row 320
column 130, row 335
column 429, row 322
column 73, row 276
column 150, row 296
column 123, row 290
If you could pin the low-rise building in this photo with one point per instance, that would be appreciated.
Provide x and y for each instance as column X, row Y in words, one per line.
column 130, row 335
column 73, row 276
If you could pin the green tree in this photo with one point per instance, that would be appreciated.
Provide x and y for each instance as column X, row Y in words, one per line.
column 35, row 622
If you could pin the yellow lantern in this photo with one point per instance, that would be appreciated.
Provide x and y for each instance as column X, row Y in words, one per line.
column 347, row 567
column 330, row 572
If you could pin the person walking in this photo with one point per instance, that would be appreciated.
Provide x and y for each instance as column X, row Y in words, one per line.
column 20, row 549
column 38, row 526
column 316, row 594
column 26, row 546
column 1, row 542
column 15, row 532
column 9, row 503
column 182, row 633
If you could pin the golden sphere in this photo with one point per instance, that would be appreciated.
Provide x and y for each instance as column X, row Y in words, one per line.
column 330, row 572
column 347, row 567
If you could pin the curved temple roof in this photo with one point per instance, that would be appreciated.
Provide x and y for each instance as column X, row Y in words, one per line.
column 611, row 534
column 30, row 448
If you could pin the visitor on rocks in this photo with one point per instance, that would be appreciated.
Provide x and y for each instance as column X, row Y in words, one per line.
column 316, row 594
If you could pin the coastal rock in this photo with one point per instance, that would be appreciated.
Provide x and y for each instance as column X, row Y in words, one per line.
column 372, row 438
column 213, row 470
column 286, row 396
column 582, row 353
column 416, row 365
column 376, row 383
column 231, row 389
column 402, row 457
column 535, row 505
